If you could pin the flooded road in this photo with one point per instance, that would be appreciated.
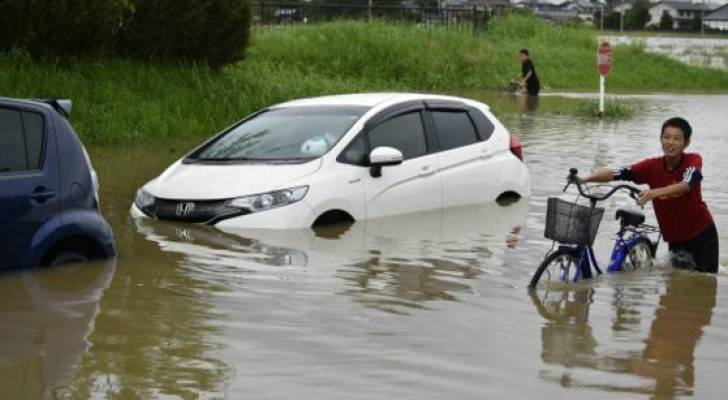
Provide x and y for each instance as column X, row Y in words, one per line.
column 430, row 306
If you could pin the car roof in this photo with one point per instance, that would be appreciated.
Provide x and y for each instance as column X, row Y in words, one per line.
column 61, row 106
column 366, row 99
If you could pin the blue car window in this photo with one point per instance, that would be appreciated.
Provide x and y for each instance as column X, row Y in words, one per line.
column 12, row 143
column 33, row 124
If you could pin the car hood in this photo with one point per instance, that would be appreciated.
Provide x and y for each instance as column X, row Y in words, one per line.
column 212, row 182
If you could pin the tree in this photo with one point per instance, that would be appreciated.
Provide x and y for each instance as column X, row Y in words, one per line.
column 696, row 23
column 212, row 32
column 638, row 16
column 611, row 21
column 666, row 21
column 59, row 28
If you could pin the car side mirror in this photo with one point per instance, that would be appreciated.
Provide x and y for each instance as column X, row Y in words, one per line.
column 383, row 156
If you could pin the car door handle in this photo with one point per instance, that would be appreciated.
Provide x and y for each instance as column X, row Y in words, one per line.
column 41, row 194
column 427, row 170
column 486, row 153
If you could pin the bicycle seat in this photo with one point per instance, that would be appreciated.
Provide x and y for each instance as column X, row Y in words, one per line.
column 630, row 217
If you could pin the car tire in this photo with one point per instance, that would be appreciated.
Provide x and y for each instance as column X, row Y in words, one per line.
column 67, row 254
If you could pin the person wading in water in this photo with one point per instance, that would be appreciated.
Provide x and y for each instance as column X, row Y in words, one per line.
column 674, row 180
column 528, row 74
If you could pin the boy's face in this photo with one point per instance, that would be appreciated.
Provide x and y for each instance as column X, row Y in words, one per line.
column 523, row 57
column 673, row 141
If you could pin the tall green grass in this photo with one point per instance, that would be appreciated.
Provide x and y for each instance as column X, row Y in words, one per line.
column 119, row 101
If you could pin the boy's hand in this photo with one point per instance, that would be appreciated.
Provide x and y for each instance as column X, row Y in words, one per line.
column 646, row 196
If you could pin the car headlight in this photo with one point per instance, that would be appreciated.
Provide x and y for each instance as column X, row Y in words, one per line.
column 143, row 199
column 265, row 201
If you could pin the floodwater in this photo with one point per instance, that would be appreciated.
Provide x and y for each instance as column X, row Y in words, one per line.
column 430, row 306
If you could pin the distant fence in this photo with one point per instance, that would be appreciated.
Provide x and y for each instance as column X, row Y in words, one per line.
column 464, row 18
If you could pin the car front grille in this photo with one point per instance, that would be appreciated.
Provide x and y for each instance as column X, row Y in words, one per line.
column 194, row 211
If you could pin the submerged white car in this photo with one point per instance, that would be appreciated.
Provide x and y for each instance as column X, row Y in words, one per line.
column 341, row 158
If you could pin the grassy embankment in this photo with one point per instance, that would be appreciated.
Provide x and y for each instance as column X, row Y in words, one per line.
column 119, row 101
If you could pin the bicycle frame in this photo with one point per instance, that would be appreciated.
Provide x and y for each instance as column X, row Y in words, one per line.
column 587, row 259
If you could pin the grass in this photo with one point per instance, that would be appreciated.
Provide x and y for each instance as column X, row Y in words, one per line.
column 614, row 108
column 120, row 101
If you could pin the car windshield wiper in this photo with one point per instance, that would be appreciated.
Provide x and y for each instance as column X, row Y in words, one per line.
column 246, row 159
column 289, row 160
column 224, row 159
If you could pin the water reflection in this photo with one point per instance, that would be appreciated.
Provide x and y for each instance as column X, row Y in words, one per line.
column 390, row 264
column 157, row 336
column 47, row 317
column 664, row 368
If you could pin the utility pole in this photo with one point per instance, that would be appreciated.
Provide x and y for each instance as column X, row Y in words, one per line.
column 370, row 10
column 621, row 18
column 702, row 23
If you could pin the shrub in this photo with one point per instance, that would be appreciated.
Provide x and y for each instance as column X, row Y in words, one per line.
column 59, row 27
column 213, row 32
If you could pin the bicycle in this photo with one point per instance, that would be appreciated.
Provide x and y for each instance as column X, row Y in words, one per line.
column 575, row 226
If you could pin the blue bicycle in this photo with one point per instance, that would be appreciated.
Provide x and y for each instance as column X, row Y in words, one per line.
column 575, row 227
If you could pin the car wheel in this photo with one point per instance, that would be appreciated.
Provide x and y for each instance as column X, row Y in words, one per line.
column 67, row 257
column 68, row 252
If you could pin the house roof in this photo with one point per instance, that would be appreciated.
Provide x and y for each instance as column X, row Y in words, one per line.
column 492, row 3
column 687, row 5
column 719, row 14
column 583, row 3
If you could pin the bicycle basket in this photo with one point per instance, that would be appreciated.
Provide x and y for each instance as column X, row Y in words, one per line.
column 571, row 223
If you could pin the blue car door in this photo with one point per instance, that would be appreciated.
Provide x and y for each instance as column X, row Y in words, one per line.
column 29, row 181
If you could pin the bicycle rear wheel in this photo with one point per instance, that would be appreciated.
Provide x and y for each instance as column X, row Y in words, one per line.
column 558, row 268
column 639, row 256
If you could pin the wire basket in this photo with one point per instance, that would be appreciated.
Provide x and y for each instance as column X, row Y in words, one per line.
column 571, row 223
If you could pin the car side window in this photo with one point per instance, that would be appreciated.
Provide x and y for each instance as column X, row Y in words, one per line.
column 33, row 123
column 12, row 143
column 485, row 126
column 404, row 132
column 454, row 129
column 355, row 153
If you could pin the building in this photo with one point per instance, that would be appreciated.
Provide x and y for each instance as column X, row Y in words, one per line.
column 489, row 5
column 682, row 12
column 585, row 9
column 718, row 18
column 549, row 11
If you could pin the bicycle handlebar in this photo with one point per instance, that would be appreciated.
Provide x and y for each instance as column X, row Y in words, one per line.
column 631, row 190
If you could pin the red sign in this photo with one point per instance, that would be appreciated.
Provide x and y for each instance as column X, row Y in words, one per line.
column 604, row 58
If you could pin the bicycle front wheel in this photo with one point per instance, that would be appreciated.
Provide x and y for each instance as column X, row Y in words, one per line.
column 558, row 268
column 639, row 256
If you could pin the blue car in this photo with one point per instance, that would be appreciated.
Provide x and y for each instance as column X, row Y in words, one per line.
column 49, row 205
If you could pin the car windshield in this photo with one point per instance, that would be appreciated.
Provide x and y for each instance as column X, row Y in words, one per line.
column 285, row 134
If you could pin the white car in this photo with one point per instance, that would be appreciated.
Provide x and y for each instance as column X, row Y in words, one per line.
column 341, row 158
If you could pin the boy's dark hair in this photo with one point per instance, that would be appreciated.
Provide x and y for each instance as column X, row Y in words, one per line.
column 524, row 51
column 680, row 123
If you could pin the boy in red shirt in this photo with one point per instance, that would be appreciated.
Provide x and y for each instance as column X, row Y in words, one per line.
column 674, row 181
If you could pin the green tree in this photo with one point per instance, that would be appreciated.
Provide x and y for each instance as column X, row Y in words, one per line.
column 666, row 21
column 213, row 32
column 696, row 23
column 638, row 16
column 59, row 27
column 611, row 20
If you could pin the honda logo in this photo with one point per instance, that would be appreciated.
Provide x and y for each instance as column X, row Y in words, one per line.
column 185, row 209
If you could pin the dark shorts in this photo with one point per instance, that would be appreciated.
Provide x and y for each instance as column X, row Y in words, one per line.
column 533, row 87
column 703, row 249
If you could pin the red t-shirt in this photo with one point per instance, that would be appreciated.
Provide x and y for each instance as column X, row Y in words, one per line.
column 681, row 217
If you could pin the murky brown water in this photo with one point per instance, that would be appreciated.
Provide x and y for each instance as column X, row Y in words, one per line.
column 423, row 307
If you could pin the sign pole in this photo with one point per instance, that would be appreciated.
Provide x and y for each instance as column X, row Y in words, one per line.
column 601, row 96
column 604, row 65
